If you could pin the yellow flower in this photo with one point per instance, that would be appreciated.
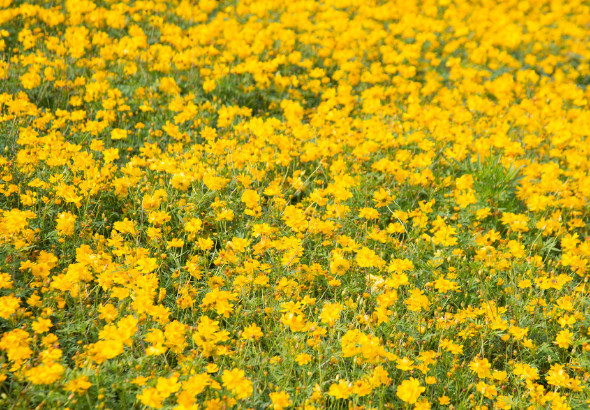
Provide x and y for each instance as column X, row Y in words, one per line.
column 481, row 367
column 167, row 386
column 118, row 134
column 236, row 382
column 340, row 390
column 30, row 79
column 369, row 213
column 488, row 390
column 303, row 359
column 41, row 325
column 8, row 306
column 252, row 332
column 482, row 213
column 444, row 285
column 339, row 265
column 78, row 385
column 175, row 243
column 417, row 301
column 366, row 258
column 410, row 390
column 423, row 404
column 444, row 400
column 280, row 400
column 557, row 376
column 151, row 397
column 405, row 364
column 250, row 198
column 330, row 313
column 564, row 339
column 108, row 312
column 516, row 222
column 46, row 373
column 140, row 380
column 66, row 223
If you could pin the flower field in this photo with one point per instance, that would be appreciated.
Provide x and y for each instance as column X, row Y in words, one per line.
column 294, row 204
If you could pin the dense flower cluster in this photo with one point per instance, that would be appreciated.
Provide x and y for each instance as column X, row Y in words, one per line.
column 311, row 204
